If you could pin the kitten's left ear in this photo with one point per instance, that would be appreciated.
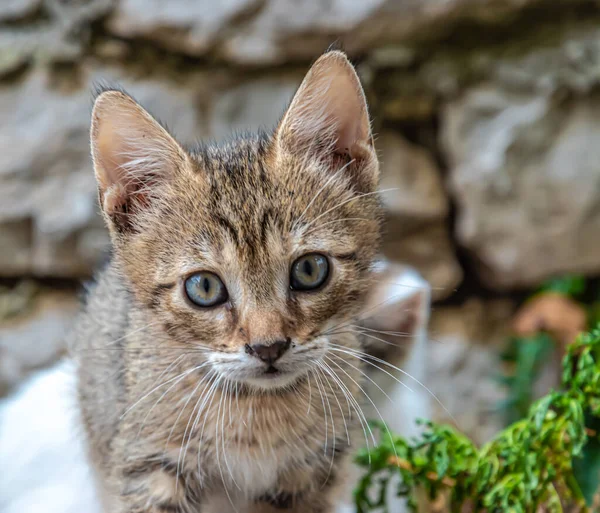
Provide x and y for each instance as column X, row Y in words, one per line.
column 328, row 115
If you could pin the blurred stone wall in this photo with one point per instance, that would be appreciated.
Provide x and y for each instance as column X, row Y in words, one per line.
column 486, row 113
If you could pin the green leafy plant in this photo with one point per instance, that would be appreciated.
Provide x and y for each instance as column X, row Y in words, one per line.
column 527, row 355
column 528, row 465
column 572, row 286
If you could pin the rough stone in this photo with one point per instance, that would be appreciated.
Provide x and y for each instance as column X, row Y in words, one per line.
column 463, row 361
column 61, row 34
column 274, row 35
column 252, row 105
column 181, row 25
column 417, row 230
column 523, row 170
column 416, row 189
column 48, row 213
column 264, row 32
column 16, row 9
column 429, row 249
column 33, row 327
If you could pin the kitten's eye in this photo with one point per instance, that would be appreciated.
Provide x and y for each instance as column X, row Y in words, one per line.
column 205, row 289
column 309, row 272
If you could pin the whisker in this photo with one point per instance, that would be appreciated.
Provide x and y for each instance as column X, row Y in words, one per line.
column 164, row 393
column 359, row 413
column 324, row 412
column 210, row 376
column 343, row 219
column 186, row 373
column 363, row 314
column 406, row 285
column 309, row 395
column 224, row 395
column 422, row 385
column 338, row 382
column 331, row 178
column 368, row 377
column 353, row 198
column 320, row 371
column 150, row 324
column 200, row 407
column 370, row 400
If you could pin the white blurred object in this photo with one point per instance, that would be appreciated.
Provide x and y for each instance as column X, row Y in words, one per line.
column 396, row 318
column 43, row 465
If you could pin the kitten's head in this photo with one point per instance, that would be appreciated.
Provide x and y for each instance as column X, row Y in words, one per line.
column 255, row 251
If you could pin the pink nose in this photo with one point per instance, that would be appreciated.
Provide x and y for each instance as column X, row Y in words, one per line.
column 269, row 353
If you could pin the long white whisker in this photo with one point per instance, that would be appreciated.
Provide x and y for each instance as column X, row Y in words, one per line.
column 185, row 373
column 324, row 412
column 182, row 450
column 342, row 220
column 319, row 370
column 353, row 198
column 226, row 394
column 366, row 355
column 331, row 178
column 359, row 413
column 150, row 324
column 158, row 401
column 370, row 400
column 324, row 366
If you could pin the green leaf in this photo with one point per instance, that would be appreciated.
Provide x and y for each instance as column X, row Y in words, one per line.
column 587, row 468
column 571, row 286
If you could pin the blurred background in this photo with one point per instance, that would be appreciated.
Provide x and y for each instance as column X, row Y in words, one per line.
column 487, row 117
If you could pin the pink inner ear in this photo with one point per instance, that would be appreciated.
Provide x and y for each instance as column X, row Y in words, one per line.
column 133, row 154
column 329, row 106
column 349, row 112
column 110, row 154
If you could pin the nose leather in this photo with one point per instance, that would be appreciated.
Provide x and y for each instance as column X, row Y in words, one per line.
column 269, row 353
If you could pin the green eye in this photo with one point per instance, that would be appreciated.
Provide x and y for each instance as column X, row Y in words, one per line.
column 309, row 272
column 205, row 289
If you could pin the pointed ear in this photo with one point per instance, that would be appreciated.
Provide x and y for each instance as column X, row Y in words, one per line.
column 133, row 157
column 396, row 310
column 328, row 115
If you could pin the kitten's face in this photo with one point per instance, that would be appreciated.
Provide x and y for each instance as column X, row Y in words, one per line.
column 255, row 253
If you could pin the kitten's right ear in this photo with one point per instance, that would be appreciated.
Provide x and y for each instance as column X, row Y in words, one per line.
column 133, row 156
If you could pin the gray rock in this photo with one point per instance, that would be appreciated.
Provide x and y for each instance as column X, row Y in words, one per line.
column 286, row 30
column 35, row 335
column 264, row 32
column 524, row 172
column 48, row 211
column 252, row 105
column 417, row 231
column 429, row 249
column 17, row 9
column 60, row 35
column 463, row 362
column 416, row 189
column 188, row 26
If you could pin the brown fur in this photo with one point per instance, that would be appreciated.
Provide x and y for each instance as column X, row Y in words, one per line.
column 174, row 419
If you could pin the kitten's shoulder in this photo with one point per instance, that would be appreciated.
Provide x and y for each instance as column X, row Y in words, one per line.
column 105, row 310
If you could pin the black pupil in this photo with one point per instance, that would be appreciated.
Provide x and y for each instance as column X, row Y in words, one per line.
column 205, row 284
column 308, row 268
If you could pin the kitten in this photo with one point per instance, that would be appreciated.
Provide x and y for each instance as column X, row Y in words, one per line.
column 217, row 367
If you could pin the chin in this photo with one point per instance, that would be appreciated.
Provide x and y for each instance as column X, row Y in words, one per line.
column 273, row 380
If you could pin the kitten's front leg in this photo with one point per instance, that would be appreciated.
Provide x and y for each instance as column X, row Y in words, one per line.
column 151, row 486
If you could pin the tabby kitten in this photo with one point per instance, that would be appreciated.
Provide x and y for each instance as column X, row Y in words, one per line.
column 216, row 368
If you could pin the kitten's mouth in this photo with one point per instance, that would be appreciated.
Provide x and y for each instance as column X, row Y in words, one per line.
column 272, row 370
